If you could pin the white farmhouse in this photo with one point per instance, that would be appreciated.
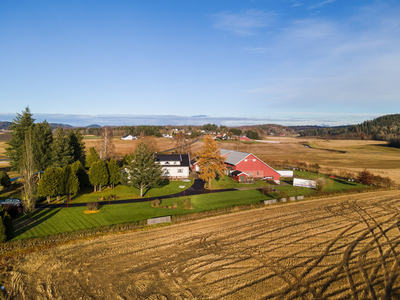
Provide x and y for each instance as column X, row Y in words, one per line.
column 174, row 166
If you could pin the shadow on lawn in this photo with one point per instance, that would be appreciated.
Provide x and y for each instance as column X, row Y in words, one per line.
column 24, row 224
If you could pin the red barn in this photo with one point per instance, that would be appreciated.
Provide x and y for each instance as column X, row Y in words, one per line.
column 243, row 165
column 244, row 138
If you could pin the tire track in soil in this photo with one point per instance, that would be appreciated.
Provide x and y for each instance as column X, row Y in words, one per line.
column 303, row 249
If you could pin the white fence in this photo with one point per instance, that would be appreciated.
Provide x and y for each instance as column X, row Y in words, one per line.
column 271, row 201
column 159, row 220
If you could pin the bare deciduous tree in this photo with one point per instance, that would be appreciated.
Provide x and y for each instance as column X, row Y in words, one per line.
column 106, row 146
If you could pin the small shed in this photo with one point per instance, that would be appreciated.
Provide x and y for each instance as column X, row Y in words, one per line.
column 239, row 176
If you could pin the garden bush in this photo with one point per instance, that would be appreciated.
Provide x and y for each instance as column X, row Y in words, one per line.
column 187, row 204
column 155, row 202
column 93, row 206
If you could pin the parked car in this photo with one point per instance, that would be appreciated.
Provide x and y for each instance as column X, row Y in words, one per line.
column 11, row 201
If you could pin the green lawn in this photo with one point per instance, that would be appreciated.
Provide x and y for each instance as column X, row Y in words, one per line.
column 332, row 184
column 50, row 222
column 227, row 182
column 124, row 192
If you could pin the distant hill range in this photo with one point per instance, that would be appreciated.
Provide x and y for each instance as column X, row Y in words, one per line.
column 4, row 125
column 382, row 128
column 55, row 125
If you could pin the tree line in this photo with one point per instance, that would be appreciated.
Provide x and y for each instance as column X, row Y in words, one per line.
column 384, row 128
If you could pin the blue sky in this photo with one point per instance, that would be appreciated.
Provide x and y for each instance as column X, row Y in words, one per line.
column 227, row 62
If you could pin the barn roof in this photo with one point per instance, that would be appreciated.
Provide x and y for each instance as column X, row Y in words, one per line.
column 233, row 157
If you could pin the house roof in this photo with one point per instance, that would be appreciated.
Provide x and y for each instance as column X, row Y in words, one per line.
column 182, row 158
column 233, row 157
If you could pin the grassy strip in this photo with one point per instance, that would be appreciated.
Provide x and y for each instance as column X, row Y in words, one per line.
column 57, row 221
column 227, row 182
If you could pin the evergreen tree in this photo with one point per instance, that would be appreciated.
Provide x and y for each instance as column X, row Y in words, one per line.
column 28, row 175
column 81, row 173
column 71, row 182
column 60, row 184
column 48, row 184
column 127, row 159
column 42, row 139
column 210, row 162
column 5, row 181
column 114, row 172
column 143, row 172
column 98, row 175
column 62, row 151
column 19, row 127
column 3, row 232
column 78, row 146
column 8, row 224
column 91, row 157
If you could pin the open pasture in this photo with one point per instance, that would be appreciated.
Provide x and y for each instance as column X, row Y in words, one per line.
column 339, row 248
column 372, row 155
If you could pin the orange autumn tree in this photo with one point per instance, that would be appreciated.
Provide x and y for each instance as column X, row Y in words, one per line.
column 210, row 161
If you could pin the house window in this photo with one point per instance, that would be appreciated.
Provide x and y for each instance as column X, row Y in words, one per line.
column 166, row 172
column 254, row 159
column 245, row 160
column 180, row 170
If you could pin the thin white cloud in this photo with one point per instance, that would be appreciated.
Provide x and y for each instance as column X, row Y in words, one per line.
column 337, row 65
column 259, row 50
column 244, row 22
column 320, row 4
column 297, row 4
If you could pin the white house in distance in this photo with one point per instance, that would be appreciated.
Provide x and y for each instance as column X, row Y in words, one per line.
column 129, row 137
column 174, row 166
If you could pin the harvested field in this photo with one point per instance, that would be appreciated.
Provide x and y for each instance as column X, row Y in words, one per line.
column 126, row 147
column 338, row 248
column 372, row 155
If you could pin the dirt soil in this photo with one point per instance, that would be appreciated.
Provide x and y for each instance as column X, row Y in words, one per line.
column 339, row 248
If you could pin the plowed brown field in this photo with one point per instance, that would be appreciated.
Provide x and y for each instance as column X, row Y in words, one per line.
column 338, row 248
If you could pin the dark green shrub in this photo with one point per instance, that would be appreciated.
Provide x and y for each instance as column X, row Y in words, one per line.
column 4, row 179
column 266, row 190
column 7, row 222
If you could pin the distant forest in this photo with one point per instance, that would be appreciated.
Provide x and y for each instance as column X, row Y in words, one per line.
column 385, row 128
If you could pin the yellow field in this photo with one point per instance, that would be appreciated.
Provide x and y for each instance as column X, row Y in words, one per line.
column 126, row 147
column 339, row 248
